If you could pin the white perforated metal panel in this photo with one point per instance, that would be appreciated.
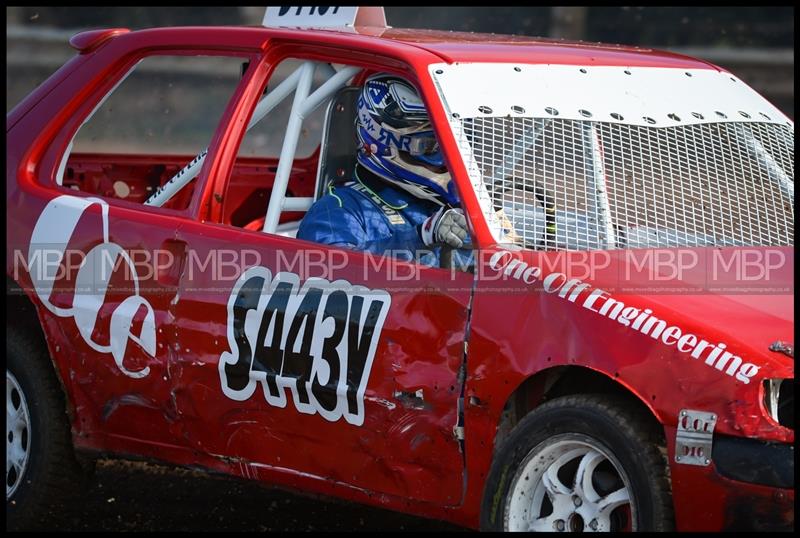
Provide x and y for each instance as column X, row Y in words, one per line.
column 647, row 96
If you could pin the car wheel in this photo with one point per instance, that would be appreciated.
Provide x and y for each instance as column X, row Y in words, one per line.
column 41, row 468
column 580, row 463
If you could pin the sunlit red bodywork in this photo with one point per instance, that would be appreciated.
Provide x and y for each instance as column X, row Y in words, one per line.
column 406, row 456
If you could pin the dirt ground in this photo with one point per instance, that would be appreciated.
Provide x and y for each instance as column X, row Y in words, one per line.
column 133, row 496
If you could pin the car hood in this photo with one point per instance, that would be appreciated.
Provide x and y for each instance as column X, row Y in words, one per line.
column 722, row 295
column 750, row 324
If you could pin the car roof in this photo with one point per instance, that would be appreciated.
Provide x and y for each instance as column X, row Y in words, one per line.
column 461, row 46
column 480, row 47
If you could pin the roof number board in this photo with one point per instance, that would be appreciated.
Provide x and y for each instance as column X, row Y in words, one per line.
column 324, row 16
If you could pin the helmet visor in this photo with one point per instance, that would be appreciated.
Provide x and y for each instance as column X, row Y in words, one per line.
column 424, row 147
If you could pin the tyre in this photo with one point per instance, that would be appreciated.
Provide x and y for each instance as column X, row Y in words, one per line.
column 41, row 469
column 580, row 463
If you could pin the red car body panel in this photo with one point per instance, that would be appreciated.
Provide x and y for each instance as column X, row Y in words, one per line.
column 406, row 456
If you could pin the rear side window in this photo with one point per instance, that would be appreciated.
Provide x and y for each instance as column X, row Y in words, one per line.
column 156, row 120
column 167, row 104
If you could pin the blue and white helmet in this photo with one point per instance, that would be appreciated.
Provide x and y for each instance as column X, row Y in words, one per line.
column 397, row 142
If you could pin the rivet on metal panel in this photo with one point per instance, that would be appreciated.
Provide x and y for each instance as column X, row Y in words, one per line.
column 683, row 413
column 688, row 74
column 582, row 70
column 456, row 115
column 721, row 115
column 484, row 109
column 439, row 71
column 518, row 109
column 649, row 120
column 744, row 114
column 765, row 116
column 627, row 72
column 585, row 113
column 677, row 458
column 697, row 115
column 517, row 69
column 552, row 111
column 617, row 116
column 674, row 117
column 340, row 107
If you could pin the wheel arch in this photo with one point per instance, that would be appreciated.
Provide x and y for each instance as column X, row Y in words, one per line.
column 23, row 315
column 564, row 385
column 20, row 309
column 564, row 380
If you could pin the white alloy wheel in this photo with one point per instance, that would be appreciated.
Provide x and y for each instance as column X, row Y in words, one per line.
column 570, row 483
column 18, row 435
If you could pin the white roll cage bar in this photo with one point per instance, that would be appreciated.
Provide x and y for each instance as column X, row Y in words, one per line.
column 304, row 103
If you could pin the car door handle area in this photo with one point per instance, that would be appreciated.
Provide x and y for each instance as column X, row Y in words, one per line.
column 170, row 266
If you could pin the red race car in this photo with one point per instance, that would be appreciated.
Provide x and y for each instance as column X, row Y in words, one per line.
column 616, row 353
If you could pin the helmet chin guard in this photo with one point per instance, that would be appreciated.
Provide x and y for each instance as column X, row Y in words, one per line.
column 397, row 142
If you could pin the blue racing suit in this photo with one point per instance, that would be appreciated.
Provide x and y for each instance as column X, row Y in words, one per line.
column 371, row 215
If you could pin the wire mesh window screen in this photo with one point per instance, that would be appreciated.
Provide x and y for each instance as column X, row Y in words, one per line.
column 568, row 184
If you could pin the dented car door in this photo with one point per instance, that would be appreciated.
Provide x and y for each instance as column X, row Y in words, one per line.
column 300, row 361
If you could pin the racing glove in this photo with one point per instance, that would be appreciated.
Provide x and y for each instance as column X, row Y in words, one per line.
column 448, row 226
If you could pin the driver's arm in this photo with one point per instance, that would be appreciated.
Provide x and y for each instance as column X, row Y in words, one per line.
column 332, row 223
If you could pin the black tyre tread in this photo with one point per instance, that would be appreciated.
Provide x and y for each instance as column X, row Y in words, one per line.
column 57, row 474
column 633, row 424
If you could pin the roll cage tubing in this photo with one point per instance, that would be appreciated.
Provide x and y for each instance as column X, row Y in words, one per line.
column 304, row 102
column 276, row 51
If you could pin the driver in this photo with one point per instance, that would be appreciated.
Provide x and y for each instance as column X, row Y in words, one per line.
column 401, row 201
